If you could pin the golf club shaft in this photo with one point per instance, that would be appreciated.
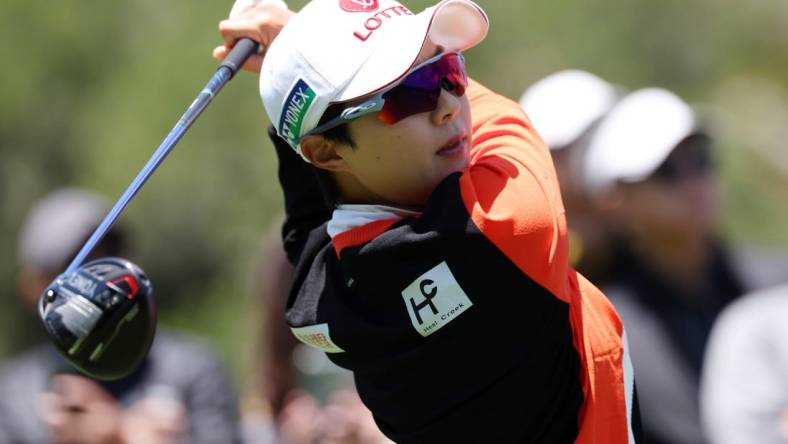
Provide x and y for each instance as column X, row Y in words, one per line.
column 229, row 66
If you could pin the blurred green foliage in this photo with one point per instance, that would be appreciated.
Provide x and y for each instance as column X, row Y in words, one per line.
column 90, row 89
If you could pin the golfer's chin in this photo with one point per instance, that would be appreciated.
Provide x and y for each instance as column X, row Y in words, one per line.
column 456, row 162
column 444, row 168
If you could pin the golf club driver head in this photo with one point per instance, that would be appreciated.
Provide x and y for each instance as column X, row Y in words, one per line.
column 101, row 317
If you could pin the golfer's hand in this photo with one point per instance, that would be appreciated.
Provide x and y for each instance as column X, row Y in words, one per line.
column 261, row 23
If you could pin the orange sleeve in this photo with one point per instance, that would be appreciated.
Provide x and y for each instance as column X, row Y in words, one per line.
column 511, row 190
column 512, row 194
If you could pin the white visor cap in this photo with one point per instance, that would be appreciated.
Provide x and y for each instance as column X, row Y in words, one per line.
column 564, row 105
column 637, row 135
column 339, row 50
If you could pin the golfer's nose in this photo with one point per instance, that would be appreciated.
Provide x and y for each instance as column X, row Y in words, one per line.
column 449, row 106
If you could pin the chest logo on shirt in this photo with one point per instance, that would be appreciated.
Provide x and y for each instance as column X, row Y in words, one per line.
column 435, row 299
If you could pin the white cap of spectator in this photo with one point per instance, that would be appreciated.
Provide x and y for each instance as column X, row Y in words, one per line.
column 57, row 225
column 636, row 137
column 564, row 105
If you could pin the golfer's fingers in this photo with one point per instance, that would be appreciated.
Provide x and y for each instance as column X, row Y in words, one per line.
column 252, row 64
column 261, row 23
column 234, row 29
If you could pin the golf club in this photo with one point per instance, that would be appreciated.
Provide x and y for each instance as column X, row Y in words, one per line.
column 101, row 316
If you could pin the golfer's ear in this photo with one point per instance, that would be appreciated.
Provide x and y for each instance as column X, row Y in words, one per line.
column 323, row 153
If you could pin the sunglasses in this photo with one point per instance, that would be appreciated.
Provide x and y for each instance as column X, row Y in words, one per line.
column 418, row 92
column 690, row 158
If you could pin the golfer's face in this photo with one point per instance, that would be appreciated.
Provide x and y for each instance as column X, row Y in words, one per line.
column 403, row 163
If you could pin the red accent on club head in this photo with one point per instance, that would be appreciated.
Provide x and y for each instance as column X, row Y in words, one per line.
column 359, row 5
column 132, row 284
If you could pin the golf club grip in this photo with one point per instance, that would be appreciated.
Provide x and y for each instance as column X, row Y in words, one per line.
column 238, row 55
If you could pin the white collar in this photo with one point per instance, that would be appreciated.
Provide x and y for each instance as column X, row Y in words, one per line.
column 349, row 216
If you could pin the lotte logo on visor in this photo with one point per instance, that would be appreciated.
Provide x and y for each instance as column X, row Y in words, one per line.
column 359, row 5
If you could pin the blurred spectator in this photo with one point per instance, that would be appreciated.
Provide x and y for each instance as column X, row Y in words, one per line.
column 180, row 394
column 650, row 171
column 564, row 108
column 744, row 390
column 302, row 397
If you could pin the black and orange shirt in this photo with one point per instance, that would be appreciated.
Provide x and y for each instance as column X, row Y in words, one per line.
column 462, row 323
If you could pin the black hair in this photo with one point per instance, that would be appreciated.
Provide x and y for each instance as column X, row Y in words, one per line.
column 340, row 134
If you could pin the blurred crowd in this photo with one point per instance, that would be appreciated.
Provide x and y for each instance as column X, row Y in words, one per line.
column 639, row 177
column 704, row 319
column 181, row 393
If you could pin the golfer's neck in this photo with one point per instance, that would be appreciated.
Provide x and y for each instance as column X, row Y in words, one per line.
column 351, row 191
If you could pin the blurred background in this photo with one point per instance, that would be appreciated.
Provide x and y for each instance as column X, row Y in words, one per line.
column 91, row 88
